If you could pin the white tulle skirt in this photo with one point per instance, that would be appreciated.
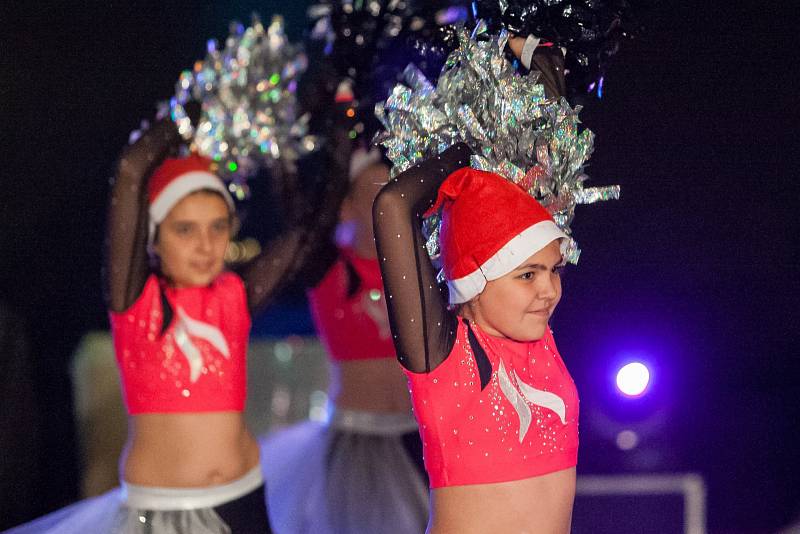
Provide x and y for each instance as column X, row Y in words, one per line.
column 351, row 475
column 132, row 509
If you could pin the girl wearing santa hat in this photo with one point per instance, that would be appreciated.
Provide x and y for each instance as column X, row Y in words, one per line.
column 180, row 324
column 497, row 408
column 496, row 405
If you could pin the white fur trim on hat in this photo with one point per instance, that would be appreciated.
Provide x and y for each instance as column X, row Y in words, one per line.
column 180, row 187
column 509, row 257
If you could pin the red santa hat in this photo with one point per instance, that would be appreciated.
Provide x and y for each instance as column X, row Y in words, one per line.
column 175, row 179
column 490, row 226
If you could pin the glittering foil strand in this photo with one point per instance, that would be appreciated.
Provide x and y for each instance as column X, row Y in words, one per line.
column 247, row 93
column 596, row 194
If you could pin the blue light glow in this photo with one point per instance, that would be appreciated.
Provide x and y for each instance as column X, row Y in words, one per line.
column 633, row 379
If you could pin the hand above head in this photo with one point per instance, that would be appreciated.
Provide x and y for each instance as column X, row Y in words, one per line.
column 547, row 60
column 127, row 230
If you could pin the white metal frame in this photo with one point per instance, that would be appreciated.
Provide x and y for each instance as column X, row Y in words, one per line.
column 690, row 485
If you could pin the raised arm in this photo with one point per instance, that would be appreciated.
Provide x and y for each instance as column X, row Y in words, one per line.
column 423, row 328
column 126, row 267
column 307, row 244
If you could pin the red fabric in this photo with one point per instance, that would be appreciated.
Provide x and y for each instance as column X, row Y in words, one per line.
column 481, row 213
column 155, row 368
column 173, row 168
column 471, row 436
column 357, row 327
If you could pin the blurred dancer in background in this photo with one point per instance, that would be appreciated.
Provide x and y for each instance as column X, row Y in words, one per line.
column 180, row 322
column 361, row 470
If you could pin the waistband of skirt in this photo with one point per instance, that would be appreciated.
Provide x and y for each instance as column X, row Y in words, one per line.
column 156, row 498
column 372, row 423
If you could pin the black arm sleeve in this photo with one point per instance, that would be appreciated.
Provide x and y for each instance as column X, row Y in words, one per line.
column 126, row 267
column 422, row 326
column 282, row 260
column 308, row 242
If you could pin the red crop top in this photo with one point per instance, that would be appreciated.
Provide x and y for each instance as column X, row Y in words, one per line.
column 352, row 327
column 198, row 364
column 522, row 424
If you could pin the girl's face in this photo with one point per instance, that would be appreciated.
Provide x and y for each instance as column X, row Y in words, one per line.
column 193, row 238
column 519, row 305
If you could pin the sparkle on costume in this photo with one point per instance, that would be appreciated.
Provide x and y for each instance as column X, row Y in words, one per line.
column 506, row 424
column 196, row 365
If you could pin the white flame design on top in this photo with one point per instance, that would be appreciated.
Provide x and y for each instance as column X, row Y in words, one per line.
column 526, row 392
column 185, row 327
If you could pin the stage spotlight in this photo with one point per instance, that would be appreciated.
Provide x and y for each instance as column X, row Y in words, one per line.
column 633, row 378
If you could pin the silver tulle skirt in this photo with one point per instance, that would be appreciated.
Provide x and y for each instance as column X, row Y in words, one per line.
column 132, row 509
column 353, row 474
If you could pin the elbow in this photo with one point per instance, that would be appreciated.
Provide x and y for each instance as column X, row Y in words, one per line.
column 148, row 150
column 388, row 202
column 389, row 208
column 383, row 200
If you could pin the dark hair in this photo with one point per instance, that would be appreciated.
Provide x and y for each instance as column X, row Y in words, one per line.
column 353, row 279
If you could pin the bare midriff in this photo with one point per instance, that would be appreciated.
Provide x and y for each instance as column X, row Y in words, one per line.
column 538, row 505
column 374, row 385
column 188, row 450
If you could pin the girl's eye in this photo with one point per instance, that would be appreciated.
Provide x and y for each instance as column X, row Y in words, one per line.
column 527, row 276
column 183, row 229
column 222, row 226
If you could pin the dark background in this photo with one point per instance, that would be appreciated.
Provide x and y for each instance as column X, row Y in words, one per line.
column 694, row 269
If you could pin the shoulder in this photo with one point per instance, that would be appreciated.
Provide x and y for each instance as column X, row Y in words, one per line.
column 142, row 308
column 145, row 298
